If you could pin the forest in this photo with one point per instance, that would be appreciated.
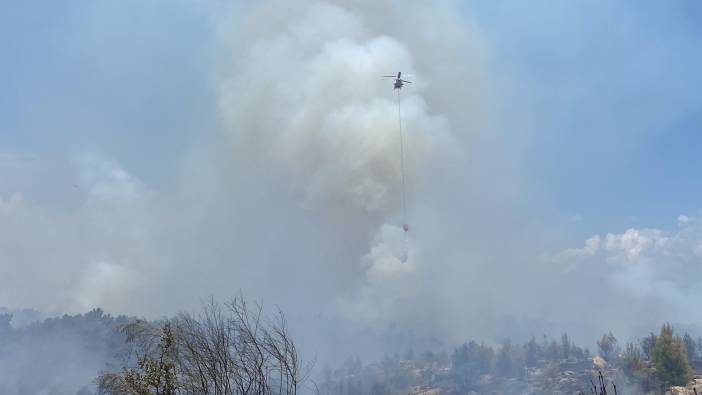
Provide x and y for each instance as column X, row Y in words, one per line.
column 239, row 348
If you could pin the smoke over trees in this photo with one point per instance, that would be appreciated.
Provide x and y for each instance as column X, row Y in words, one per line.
column 608, row 346
column 234, row 348
column 535, row 367
column 155, row 153
column 60, row 355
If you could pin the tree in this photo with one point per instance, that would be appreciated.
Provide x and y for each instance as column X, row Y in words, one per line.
column 509, row 360
column 532, row 352
column 152, row 375
column 608, row 346
column 230, row 350
column 409, row 356
column 631, row 360
column 553, row 351
column 669, row 357
column 647, row 344
column 566, row 344
column 690, row 347
column 469, row 362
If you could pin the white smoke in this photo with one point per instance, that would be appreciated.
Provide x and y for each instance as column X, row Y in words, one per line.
column 648, row 275
column 391, row 280
column 319, row 120
column 294, row 197
column 84, row 258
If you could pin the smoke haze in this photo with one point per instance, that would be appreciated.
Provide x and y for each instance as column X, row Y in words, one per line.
column 259, row 151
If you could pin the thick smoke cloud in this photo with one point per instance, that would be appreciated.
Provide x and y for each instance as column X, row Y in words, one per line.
column 295, row 198
column 321, row 125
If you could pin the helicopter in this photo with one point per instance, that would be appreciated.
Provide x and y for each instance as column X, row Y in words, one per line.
column 398, row 80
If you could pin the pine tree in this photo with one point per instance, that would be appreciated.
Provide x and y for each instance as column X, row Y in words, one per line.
column 669, row 357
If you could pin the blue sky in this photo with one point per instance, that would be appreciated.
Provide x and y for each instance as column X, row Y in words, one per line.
column 608, row 90
column 128, row 78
